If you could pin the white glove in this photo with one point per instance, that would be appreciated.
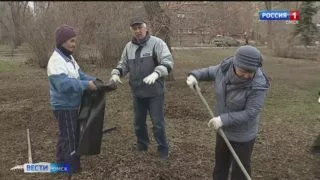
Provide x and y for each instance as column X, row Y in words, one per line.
column 216, row 122
column 151, row 78
column 192, row 81
column 115, row 78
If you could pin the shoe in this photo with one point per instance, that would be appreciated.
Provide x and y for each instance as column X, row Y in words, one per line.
column 142, row 148
column 77, row 171
column 163, row 156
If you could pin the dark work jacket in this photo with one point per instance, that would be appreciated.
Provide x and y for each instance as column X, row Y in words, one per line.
column 140, row 59
column 91, row 118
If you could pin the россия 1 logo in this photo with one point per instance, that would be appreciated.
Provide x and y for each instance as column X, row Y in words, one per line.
column 291, row 17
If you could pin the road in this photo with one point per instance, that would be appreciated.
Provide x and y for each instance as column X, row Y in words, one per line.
column 206, row 47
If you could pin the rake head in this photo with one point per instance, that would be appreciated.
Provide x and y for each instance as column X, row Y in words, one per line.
column 18, row 167
column 21, row 167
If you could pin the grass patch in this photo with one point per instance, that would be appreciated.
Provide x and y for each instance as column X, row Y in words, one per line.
column 6, row 66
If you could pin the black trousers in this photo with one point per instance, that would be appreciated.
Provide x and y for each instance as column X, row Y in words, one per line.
column 68, row 138
column 224, row 159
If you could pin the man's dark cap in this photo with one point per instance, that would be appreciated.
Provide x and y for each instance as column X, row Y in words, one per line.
column 136, row 20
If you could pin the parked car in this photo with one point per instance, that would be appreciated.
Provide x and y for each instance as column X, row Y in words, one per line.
column 225, row 42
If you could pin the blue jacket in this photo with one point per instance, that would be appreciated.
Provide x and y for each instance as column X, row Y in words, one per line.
column 66, row 81
column 238, row 102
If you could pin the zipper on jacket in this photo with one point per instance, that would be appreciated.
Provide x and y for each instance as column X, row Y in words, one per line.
column 137, row 64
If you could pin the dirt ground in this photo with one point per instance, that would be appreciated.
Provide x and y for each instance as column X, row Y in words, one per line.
column 290, row 122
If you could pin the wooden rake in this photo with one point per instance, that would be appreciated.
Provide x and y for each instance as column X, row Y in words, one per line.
column 220, row 131
column 19, row 167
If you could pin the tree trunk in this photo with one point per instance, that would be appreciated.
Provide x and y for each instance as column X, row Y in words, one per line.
column 160, row 23
column 270, row 40
column 18, row 10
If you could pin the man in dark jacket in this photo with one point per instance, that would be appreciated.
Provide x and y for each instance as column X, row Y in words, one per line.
column 241, row 88
column 148, row 60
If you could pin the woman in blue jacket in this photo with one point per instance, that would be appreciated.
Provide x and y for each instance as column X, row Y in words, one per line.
column 67, row 83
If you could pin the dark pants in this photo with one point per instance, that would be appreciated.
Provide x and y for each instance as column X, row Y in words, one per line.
column 155, row 107
column 224, row 158
column 68, row 138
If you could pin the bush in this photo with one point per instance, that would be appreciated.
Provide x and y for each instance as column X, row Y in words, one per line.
column 39, row 35
column 111, row 49
column 295, row 52
column 303, row 53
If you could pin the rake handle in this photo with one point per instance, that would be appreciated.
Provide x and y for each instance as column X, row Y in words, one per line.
column 220, row 131
column 29, row 147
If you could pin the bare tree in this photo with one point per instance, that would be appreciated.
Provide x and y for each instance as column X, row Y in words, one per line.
column 284, row 37
column 160, row 23
column 5, row 20
column 39, row 33
column 102, row 29
column 6, row 25
column 268, row 5
column 18, row 10
column 12, row 18
column 113, row 30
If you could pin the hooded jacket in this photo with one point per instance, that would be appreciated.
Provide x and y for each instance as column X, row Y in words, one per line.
column 238, row 102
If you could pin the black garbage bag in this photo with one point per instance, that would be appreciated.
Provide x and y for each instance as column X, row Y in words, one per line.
column 316, row 145
column 91, row 118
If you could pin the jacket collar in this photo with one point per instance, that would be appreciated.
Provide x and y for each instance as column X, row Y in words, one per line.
column 259, row 81
column 230, row 76
column 67, row 59
column 141, row 42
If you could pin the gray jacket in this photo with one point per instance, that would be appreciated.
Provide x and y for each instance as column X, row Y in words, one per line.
column 140, row 60
column 238, row 102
